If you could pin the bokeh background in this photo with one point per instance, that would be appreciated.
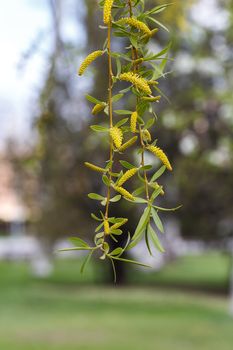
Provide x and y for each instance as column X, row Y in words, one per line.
column 185, row 301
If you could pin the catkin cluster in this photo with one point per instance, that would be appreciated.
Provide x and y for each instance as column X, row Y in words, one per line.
column 161, row 155
column 133, row 22
column 88, row 60
column 137, row 81
column 107, row 14
column 117, row 136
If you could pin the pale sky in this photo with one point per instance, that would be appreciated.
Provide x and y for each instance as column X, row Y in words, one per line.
column 20, row 21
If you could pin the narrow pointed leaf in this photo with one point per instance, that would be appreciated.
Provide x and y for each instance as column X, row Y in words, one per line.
column 157, row 220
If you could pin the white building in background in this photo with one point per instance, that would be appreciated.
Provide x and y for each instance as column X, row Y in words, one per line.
column 13, row 213
column 13, row 216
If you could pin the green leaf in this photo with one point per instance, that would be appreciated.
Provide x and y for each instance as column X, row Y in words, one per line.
column 158, row 23
column 116, row 251
column 149, row 124
column 115, row 198
column 113, row 268
column 106, row 180
column 118, row 64
column 86, row 261
column 95, row 196
column 140, row 200
column 117, row 97
column 138, row 191
column 142, row 223
column 155, row 239
column 75, row 248
column 95, row 217
column 146, row 167
column 130, row 261
column 148, row 243
column 133, row 41
column 158, row 173
column 99, row 235
column 155, row 194
column 167, row 209
column 134, row 242
column 122, row 122
column 78, row 242
column 99, row 128
column 99, row 227
column 122, row 111
column 159, row 54
column 93, row 99
column 126, row 165
column 117, row 232
column 157, row 220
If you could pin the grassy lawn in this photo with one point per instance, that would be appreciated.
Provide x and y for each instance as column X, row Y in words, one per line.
column 207, row 271
column 52, row 315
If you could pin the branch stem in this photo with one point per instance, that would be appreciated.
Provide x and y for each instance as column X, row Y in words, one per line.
column 135, row 69
column 110, row 118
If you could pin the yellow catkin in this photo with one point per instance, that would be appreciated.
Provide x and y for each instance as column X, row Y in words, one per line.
column 146, row 135
column 152, row 98
column 133, row 122
column 128, row 144
column 117, row 136
column 95, row 167
column 107, row 15
column 118, row 224
column 98, row 108
column 161, row 155
column 133, row 22
column 136, row 80
column 126, row 176
column 88, row 60
column 124, row 193
column 106, row 227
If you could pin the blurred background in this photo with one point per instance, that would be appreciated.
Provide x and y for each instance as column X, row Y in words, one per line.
column 185, row 301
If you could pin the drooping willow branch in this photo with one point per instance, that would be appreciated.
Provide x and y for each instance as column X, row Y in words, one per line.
column 128, row 131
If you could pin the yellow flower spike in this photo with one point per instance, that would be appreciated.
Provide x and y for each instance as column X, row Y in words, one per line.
column 133, row 22
column 95, row 167
column 88, row 60
column 106, row 227
column 126, row 176
column 117, row 136
column 136, row 80
column 133, row 122
column 118, row 224
column 146, row 135
column 107, row 15
column 98, row 108
column 128, row 144
column 161, row 155
column 124, row 193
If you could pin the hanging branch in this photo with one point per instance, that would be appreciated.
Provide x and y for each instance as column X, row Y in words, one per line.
column 140, row 70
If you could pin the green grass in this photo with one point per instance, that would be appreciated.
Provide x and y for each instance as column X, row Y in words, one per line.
column 207, row 271
column 60, row 314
